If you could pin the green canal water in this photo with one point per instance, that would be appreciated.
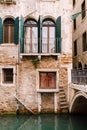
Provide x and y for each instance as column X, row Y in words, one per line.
column 43, row 122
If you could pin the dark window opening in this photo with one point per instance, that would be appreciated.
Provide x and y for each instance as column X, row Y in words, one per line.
column 83, row 9
column 75, row 48
column 7, row 75
column 79, row 66
column 84, row 42
column 74, row 1
column 74, row 24
column 85, row 66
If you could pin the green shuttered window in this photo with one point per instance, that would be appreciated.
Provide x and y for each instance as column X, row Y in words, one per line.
column 22, row 35
column 16, row 31
column 16, row 34
column 58, row 35
column 39, row 35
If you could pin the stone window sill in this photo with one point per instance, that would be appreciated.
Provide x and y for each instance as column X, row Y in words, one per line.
column 47, row 90
column 7, row 2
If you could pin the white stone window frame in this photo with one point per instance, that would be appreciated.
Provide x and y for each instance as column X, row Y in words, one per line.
column 37, row 80
column 14, row 76
column 55, row 91
column 49, row 0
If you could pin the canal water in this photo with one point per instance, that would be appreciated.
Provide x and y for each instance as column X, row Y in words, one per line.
column 43, row 122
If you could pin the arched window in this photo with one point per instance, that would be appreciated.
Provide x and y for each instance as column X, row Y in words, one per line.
column 8, row 30
column 48, row 36
column 30, row 36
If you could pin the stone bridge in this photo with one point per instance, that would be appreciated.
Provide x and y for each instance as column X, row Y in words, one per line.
column 78, row 98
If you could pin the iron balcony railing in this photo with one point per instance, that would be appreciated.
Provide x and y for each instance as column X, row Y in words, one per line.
column 79, row 76
column 47, row 45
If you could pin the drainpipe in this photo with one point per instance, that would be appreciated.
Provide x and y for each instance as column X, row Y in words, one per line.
column 17, row 72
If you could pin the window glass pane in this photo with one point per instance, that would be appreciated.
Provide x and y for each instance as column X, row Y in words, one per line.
column 27, row 40
column 31, row 41
column 5, row 34
column 48, row 22
column 48, row 36
column 11, row 34
column 51, row 39
column 34, row 39
column 44, row 39
column 9, row 30
column 7, row 75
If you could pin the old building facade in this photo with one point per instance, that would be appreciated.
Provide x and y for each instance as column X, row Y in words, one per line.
column 78, row 87
column 35, row 55
column 79, row 41
column 79, row 35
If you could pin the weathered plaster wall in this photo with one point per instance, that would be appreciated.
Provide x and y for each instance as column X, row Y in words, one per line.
column 77, row 35
column 25, row 87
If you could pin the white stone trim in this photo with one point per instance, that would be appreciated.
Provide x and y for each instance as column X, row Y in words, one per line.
column 14, row 75
column 69, row 80
column 39, row 102
column 55, row 103
column 48, row 0
column 47, row 90
column 47, row 70
column 39, row 91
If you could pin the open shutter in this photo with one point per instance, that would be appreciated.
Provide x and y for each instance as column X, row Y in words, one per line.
column 16, row 31
column 1, row 31
column 58, row 35
column 22, row 35
column 39, row 35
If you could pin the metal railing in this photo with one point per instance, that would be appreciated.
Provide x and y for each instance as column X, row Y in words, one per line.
column 79, row 76
column 31, row 45
column 47, row 45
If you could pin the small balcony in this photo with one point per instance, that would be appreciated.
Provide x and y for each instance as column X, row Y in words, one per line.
column 46, row 46
column 79, row 76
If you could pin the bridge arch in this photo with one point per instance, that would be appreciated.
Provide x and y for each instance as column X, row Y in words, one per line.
column 79, row 103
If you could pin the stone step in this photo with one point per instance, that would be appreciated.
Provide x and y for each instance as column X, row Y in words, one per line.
column 62, row 96
column 62, row 107
column 63, row 103
column 62, row 99
column 62, row 93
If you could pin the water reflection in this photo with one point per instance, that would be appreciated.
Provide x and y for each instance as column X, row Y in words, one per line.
column 43, row 122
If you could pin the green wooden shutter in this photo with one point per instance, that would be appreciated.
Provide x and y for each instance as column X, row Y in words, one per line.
column 39, row 35
column 16, row 31
column 1, row 31
column 58, row 35
column 22, row 35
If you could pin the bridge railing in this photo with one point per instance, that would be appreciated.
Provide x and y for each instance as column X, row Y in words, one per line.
column 79, row 76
